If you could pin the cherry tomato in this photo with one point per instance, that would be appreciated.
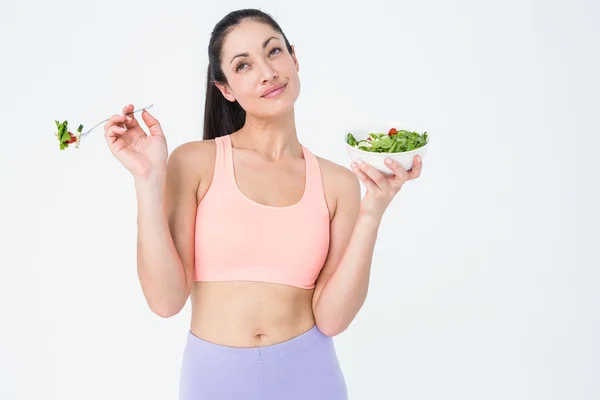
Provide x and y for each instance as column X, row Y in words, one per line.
column 73, row 138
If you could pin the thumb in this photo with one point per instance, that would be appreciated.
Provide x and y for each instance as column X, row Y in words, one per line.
column 152, row 124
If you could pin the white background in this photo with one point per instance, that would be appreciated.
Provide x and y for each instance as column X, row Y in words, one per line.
column 485, row 278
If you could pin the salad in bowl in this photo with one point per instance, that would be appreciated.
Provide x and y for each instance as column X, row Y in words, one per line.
column 372, row 145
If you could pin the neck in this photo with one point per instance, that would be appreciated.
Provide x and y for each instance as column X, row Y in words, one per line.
column 273, row 138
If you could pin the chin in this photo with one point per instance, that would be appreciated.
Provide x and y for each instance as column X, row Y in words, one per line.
column 275, row 110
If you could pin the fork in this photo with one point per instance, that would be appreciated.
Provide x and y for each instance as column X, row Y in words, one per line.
column 106, row 120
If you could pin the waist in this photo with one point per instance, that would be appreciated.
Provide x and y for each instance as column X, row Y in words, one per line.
column 249, row 314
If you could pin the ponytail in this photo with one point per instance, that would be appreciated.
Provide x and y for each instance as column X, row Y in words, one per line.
column 221, row 116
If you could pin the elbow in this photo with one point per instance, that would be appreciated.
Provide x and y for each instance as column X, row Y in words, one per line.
column 164, row 312
column 333, row 322
column 329, row 325
column 330, row 331
column 165, row 309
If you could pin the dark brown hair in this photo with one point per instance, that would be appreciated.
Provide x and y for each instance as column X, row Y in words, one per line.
column 221, row 116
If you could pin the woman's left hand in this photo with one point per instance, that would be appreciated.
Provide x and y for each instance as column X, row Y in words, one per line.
column 381, row 188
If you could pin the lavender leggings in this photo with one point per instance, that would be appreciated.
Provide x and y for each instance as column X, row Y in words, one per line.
column 304, row 367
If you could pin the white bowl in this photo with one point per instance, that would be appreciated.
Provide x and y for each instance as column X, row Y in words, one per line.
column 376, row 160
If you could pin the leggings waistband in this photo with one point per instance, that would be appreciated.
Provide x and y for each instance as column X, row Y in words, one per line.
column 258, row 353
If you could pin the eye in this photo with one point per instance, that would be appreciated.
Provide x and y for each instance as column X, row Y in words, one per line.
column 237, row 68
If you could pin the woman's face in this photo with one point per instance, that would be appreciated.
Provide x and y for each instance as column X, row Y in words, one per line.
column 254, row 59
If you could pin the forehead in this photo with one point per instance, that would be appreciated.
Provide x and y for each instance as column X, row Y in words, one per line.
column 247, row 37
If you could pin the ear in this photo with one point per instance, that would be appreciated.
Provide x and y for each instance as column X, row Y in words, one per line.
column 225, row 91
column 295, row 59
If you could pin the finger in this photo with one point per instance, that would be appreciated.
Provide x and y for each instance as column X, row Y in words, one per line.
column 130, row 121
column 369, row 184
column 400, row 173
column 113, row 133
column 415, row 171
column 117, row 119
column 375, row 176
column 152, row 124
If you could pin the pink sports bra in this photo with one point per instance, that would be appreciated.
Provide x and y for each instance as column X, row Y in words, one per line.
column 238, row 239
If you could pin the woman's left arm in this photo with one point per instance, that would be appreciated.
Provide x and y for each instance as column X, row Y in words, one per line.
column 343, row 283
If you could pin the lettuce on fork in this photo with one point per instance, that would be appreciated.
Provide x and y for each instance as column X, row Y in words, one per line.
column 65, row 137
column 395, row 141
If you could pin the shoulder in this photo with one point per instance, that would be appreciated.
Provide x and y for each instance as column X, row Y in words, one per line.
column 194, row 151
column 335, row 172
column 195, row 157
column 339, row 182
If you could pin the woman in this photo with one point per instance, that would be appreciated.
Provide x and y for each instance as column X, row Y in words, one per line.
column 272, row 244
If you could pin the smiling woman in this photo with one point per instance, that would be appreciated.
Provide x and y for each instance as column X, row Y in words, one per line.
column 252, row 307
column 246, row 46
column 272, row 244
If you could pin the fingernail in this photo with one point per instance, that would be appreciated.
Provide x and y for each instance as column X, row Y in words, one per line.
column 388, row 161
column 418, row 158
column 358, row 162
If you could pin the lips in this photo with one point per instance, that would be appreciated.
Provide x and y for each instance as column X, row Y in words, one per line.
column 273, row 88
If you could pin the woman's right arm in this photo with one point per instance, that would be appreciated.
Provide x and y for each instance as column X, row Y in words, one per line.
column 167, row 203
column 166, row 190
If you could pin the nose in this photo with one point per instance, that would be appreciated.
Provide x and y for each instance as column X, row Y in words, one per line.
column 268, row 73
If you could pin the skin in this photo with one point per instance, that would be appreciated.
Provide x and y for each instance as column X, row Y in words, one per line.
column 269, row 169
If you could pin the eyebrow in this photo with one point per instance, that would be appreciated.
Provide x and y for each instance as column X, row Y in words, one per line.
column 246, row 54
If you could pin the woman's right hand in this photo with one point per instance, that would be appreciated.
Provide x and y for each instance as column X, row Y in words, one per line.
column 140, row 153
